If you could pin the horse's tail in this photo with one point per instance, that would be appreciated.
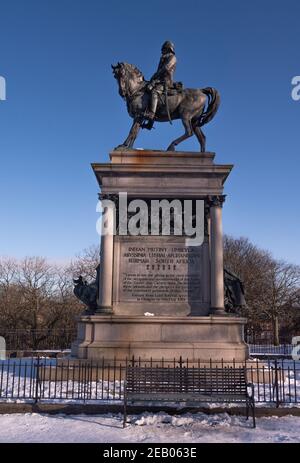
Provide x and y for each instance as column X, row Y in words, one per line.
column 212, row 107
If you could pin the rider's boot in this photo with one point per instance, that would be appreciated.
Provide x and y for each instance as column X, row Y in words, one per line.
column 150, row 115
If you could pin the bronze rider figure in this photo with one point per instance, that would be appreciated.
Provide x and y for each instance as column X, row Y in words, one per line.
column 162, row 80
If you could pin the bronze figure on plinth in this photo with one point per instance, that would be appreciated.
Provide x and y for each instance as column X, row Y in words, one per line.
column 163, row 100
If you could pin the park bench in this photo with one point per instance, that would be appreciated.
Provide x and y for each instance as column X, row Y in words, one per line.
column 192, row 385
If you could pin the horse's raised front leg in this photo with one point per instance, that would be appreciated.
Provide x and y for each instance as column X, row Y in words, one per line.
column 128, row 143
column 188, row 133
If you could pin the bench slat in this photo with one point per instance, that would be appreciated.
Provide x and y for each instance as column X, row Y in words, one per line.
column 224, row 383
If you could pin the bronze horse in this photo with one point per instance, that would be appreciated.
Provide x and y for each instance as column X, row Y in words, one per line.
column 187, row 104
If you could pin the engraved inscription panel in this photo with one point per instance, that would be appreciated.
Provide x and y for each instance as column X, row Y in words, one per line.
column 159, row 272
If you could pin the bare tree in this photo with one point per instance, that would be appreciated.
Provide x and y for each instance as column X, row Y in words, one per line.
column 8, row 271
column 251, row 264
column 85, row 263
column 64, row 303
column 36, row 279
column 282, row 294
column 271, row 286
column 37, row 297
column 9, row 294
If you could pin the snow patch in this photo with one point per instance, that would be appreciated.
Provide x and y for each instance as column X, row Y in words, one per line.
column 147, row 427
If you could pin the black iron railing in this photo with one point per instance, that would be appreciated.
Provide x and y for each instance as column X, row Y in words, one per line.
column 276, row 382
column 267, row 350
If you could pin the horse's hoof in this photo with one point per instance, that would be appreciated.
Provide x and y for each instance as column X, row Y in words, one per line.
column 171, row 148
column 122, row 148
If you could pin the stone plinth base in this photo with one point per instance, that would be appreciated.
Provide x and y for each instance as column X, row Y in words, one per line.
column 203, row 338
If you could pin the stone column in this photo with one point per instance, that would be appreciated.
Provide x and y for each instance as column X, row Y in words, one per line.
column 206, row 259
column 216, row 249
column 106, row 257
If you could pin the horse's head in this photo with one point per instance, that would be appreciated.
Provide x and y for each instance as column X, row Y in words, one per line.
column 129, row 78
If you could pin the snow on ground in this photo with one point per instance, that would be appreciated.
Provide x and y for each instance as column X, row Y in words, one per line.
column 148, row 427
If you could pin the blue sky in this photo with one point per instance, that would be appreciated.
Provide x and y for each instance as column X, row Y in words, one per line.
column 63, row 111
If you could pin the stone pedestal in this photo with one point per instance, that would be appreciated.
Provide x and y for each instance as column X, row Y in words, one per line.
column 161, row 296
column 193, row 338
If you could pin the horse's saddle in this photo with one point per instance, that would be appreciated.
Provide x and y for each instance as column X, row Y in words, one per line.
column 176, row 87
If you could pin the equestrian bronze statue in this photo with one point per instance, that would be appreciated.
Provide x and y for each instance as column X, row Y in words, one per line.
column 162, row 100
